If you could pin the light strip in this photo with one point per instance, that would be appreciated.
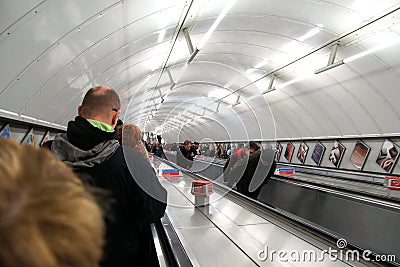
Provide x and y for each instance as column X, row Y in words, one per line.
column 29, row 118
column 216, row 23
column 259, row 65
column 372, row 50
column 161, row 35
column 42, row 121
column 8, row 112
column 295, row 80
column 359, row 55
column 309, row 34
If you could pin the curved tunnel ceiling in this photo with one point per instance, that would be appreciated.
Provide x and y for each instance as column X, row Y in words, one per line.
column 253, row 78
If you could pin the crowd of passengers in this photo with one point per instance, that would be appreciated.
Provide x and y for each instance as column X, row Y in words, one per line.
column 244, row 163
column 88, row 197
column 217, row 150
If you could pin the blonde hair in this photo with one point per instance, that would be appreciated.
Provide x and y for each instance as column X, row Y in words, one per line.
column 47, row 218
column 132, row 137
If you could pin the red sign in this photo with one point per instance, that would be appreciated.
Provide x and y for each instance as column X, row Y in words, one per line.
column 202, row 188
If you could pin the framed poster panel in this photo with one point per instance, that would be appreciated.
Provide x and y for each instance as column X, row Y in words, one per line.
column 318, row 153
column 29, row 138
column 278, row 151
column 289, row 151
column 302, row 153
column 45, row 138
column 360, row 154
column 336, row 153
column 387, row 156
column 5, row 132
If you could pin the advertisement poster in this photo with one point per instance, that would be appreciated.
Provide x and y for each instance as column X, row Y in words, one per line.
column 302, row 153
column 289, row 151
column 318, row 153
column 29, row 138
column 278, row 151
column 387, row 155
column 359, row 155
column 5, row 132
column 46, row 138
column 336, row 154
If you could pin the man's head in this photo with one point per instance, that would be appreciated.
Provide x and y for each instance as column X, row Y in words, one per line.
column 47, row 218
column 187, row 144
column 254, row 146
column 101, row 103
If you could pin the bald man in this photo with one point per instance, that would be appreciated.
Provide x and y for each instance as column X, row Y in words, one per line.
column 137, row 197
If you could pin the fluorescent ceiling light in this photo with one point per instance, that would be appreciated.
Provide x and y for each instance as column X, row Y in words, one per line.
column 259, row 65
column 366, row 9
column 153, row 63
column 296, row 48
column 372, row 50
column 250, row 71
column 179, row 52
column 218, row 93
column 29, row 118
column 216, row 23
column 42, row 121
column 161, row 35
column 295, row 80
column 310, row 33
column 360, row 55
column 182, row 71
column 8, row 112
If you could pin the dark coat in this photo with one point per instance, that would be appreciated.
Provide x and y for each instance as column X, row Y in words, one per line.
column 157, row 151
column 183, row 158
column 136, row 197
column 248, row 169
column 138, row 200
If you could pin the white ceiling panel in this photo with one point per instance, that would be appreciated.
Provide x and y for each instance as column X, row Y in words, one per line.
column 53, row 51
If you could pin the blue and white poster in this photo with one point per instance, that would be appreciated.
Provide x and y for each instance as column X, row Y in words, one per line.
column 5, row 132
column 29, row 138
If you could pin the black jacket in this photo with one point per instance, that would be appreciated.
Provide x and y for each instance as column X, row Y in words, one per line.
column 250, row 170
column 136, row 196
column 183, row 158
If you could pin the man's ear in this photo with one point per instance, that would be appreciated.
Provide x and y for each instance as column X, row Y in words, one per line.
column 114, row 119
column 80, row 111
